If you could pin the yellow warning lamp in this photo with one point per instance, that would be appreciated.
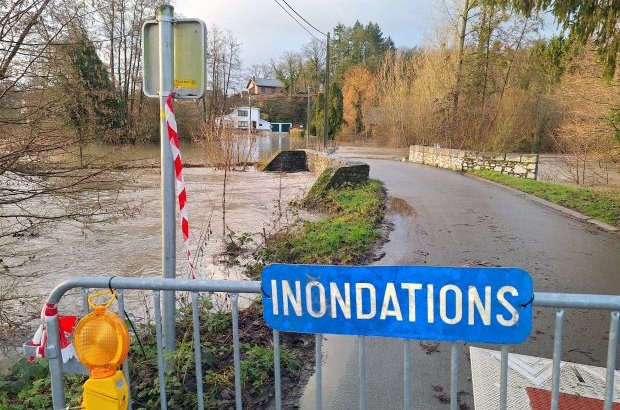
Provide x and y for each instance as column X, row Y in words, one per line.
column 101, row 343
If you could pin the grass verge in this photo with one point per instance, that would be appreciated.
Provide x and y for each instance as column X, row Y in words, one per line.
column 347, row 235
column 601, row 204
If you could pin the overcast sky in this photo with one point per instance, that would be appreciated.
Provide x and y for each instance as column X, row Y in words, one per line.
column 266, row 31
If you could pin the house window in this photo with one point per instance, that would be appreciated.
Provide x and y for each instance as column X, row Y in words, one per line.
column 243, row 124
column 242, row 113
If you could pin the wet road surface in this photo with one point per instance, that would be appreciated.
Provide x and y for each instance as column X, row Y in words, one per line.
column 445, row 218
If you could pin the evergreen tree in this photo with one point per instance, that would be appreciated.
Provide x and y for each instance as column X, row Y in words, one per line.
column 91, row 106
column 554, row 57
column 359, row 45
column 334, row 113
column 584, row 20
column 334, row 110
column 316, row 123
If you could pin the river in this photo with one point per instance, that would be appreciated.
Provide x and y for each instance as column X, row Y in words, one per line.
column 257, row 203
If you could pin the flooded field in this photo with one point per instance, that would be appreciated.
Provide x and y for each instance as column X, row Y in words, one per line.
column 257, row 203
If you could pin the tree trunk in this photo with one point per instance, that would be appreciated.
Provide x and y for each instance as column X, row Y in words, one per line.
column 460, row 54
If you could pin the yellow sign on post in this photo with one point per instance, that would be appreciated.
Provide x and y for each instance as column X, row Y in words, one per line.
column 189, row 58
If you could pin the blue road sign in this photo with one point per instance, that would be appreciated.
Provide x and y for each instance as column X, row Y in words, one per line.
column 485, row 305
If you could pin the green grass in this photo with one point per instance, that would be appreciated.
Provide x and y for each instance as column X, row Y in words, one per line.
column 600, row 204
column 28, row 386
column 347, row 236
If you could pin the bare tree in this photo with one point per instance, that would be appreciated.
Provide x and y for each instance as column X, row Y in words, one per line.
column 398, row 89
column 495, row 94
column 233, row 64
column 288, row 70
column 586, row 135
column 261, row 71
column 18, row 25
column 117, row 25
column 227, row 150
column 468, row 6
column 314, row 54
column 224, row 68
column 42, row 181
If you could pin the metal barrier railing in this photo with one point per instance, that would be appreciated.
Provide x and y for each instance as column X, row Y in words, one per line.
column 555, row 300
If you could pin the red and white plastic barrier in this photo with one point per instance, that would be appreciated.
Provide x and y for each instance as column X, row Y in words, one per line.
column 65, row 324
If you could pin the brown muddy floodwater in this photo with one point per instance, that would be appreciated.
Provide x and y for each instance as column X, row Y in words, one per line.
column 256, row 203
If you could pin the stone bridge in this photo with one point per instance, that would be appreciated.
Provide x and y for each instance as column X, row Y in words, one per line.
column 332, row 171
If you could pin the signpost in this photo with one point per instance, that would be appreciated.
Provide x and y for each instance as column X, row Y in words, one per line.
column 483, row 305
column 174, row 61
column 188, row 68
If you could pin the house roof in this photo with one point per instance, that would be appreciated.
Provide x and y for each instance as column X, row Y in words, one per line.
column 266, row 82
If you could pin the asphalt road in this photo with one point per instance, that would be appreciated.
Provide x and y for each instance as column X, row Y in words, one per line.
column 445, row 218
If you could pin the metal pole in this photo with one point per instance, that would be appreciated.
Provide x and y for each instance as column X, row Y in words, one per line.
column 52, row 351
column 249, row 114
column 276, row 370
column 454, row 376
column 197, row 351
column 361, row 357
column 166, row 52
column 326, row 97
column 234, row 300
column 407, row 373
column 308, row 119
column 120, row 297
column 557, row 357
column 161, row 369
column 318, row 340
column 611, row 359
column 503, row 379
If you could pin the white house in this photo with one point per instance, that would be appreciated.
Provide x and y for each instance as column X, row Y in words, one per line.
column 240, row 117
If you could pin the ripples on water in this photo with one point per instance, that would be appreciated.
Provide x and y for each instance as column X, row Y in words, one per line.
column 132, row 247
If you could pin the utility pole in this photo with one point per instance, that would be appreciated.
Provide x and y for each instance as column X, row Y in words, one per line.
column 308, row 119
column 326, row 95
column 249, row 114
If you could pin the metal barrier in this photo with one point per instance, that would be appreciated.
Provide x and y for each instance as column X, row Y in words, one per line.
column 555, row 300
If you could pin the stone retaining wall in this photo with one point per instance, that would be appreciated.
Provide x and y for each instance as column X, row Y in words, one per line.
column 317, row 163
column 287, row 161
column 518, row 165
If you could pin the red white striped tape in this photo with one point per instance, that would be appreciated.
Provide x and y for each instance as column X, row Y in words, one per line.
column 173, row 137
